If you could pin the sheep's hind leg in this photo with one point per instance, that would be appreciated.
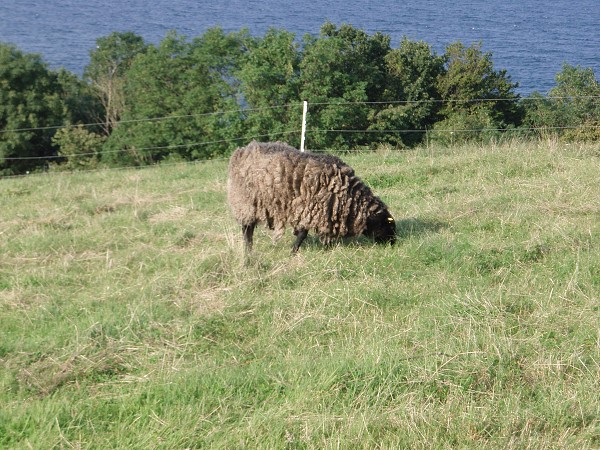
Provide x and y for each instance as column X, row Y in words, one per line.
column 300, row 236
column 248, row 231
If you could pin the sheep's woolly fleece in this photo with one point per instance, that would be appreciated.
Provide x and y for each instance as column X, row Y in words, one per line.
column 279, row 186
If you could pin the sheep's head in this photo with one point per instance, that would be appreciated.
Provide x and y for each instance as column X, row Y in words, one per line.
column 381, row 227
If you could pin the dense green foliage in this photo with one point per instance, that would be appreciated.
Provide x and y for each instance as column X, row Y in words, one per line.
column 573, row 111
column 269, row 77
column 130, row 319
column 200, row 98
column 33, row 101
column 184, row 91
column 78, row 148
column 413, row 71
column 476, row 97
column 340, row 71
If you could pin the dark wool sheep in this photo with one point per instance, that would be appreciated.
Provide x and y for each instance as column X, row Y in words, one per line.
column 277, row 185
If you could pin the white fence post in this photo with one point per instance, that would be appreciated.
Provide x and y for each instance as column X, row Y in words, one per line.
column 302, row 137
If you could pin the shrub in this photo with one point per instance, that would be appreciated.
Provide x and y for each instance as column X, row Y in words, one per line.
column 78, row 148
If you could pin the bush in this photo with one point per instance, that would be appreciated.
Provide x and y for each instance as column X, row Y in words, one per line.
column 465, row 126
column 78, row 148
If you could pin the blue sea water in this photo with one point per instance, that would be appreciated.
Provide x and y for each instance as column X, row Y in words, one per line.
column 531, row 39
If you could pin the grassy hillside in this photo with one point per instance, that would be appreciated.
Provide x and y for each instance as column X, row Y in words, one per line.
column 129, row 318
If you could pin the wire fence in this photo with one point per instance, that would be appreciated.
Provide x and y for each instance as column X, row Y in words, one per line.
column 299, row 104
column 312, row 131
column 245, row 111
column 309, row 131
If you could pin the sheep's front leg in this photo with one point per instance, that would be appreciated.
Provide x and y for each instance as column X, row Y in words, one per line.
column 248, row 231
column 300, row 236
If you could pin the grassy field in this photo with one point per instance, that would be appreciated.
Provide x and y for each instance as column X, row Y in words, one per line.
column 129, row 317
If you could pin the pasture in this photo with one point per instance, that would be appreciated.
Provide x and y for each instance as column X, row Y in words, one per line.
column 129, row 317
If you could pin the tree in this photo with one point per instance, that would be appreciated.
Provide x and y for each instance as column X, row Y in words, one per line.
column 80, row 104
column 571, row 109
column 106, row 72
column 413, row 71
column 341, row 72
column 477, row 98
column 269, row 78
column 31, row 108
column 181, row 99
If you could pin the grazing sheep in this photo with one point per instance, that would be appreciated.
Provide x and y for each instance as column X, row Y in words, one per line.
column 277, row 185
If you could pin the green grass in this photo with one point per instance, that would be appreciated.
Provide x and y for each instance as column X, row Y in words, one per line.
column 129, row 317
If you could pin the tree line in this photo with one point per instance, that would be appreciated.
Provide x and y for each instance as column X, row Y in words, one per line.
column 185, row 99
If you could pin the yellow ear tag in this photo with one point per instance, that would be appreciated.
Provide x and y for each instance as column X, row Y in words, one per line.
column 390, row 219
